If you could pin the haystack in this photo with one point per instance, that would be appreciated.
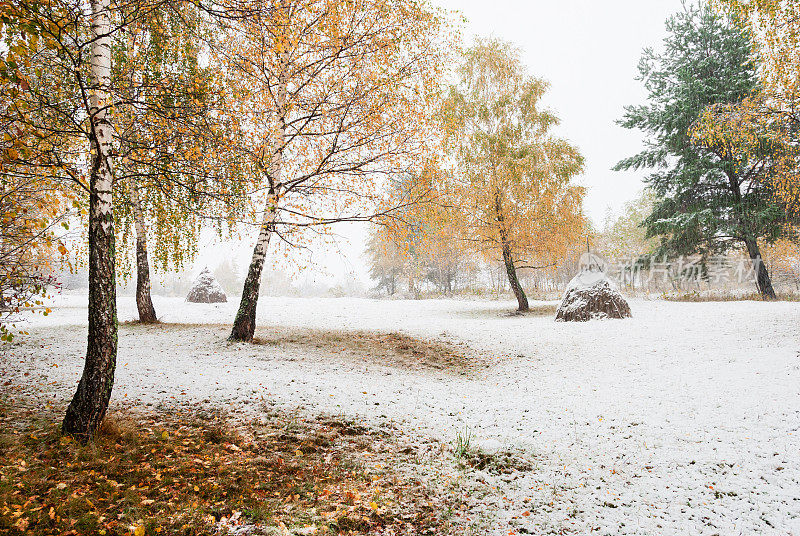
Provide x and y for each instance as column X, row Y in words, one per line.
column 206, row 289
column 592, row 295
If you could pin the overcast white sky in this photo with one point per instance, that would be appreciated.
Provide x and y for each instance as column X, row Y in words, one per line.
column 588, row 50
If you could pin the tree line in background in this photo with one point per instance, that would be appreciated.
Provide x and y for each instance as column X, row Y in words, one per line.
column 721, row 141
column 143, row 123
column 622, row 240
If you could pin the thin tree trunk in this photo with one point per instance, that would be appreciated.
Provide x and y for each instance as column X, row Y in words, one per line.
column 244, row 326
column 89, row 405
column 513, row 281
column 763, row 281
column 144, row 300
column 508, row 259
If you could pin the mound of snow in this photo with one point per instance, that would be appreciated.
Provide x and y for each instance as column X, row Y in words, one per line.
column 592, row 295
column 206, row 289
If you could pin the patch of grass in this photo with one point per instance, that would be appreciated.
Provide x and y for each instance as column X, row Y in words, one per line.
column 188, row 472
column 497, row 463
column 547, row 309
column 394, row 349
column 500, row 462
column 494, row 311
column 462, row 443
column 118, row 428
column 136, row 322
column 346, row 427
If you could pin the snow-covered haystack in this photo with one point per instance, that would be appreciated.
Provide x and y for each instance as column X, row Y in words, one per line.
column 206, row 289
column 592, row 295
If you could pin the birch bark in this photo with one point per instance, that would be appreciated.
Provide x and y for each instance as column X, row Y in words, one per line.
column 508, row 259
column 89, row 405
column 245, row 323
column 144, row 300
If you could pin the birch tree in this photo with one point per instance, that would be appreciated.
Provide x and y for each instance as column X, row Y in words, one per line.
column 336, row 96
column 58, row 60
column 88, row 406
column 174, row 169
column 61, row 119
column 511, row 183
column 771, row 114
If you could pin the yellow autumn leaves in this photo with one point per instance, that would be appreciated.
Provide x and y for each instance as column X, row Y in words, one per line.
column 769, row 116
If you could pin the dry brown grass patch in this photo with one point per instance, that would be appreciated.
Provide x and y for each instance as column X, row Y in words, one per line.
column 547, row 309
column 390, row 349
column 393, row 349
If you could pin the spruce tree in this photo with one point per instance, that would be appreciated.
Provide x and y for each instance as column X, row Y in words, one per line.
column 708, row 200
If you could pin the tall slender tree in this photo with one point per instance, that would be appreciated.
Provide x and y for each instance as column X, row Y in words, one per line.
column 336, row 95
column 709, row 199
column 88, row 406
column 57, row 63
column 172, row 166
column 59, row 57
column 512, row 186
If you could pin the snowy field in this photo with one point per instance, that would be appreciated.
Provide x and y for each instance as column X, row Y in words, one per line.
column 683, row 420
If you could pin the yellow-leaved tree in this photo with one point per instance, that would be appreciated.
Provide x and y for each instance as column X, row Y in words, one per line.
column 334, row 97
column 65, row 114
column 414, row 242
column 624, row 236
column 56, row 58
column 34, row 205
column 175, row 174
column 771, row 115
column 511, row 181
column 32, row 211
column 774, row 27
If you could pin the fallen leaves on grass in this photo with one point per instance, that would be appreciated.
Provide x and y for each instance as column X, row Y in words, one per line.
column 191, row 472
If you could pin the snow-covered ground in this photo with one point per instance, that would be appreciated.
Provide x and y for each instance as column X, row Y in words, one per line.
column 682, row 420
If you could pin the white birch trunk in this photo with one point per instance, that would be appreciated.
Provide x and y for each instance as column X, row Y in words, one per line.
column 144, row 300
column 88, row 406
column 99, row 100
column 245, row 323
